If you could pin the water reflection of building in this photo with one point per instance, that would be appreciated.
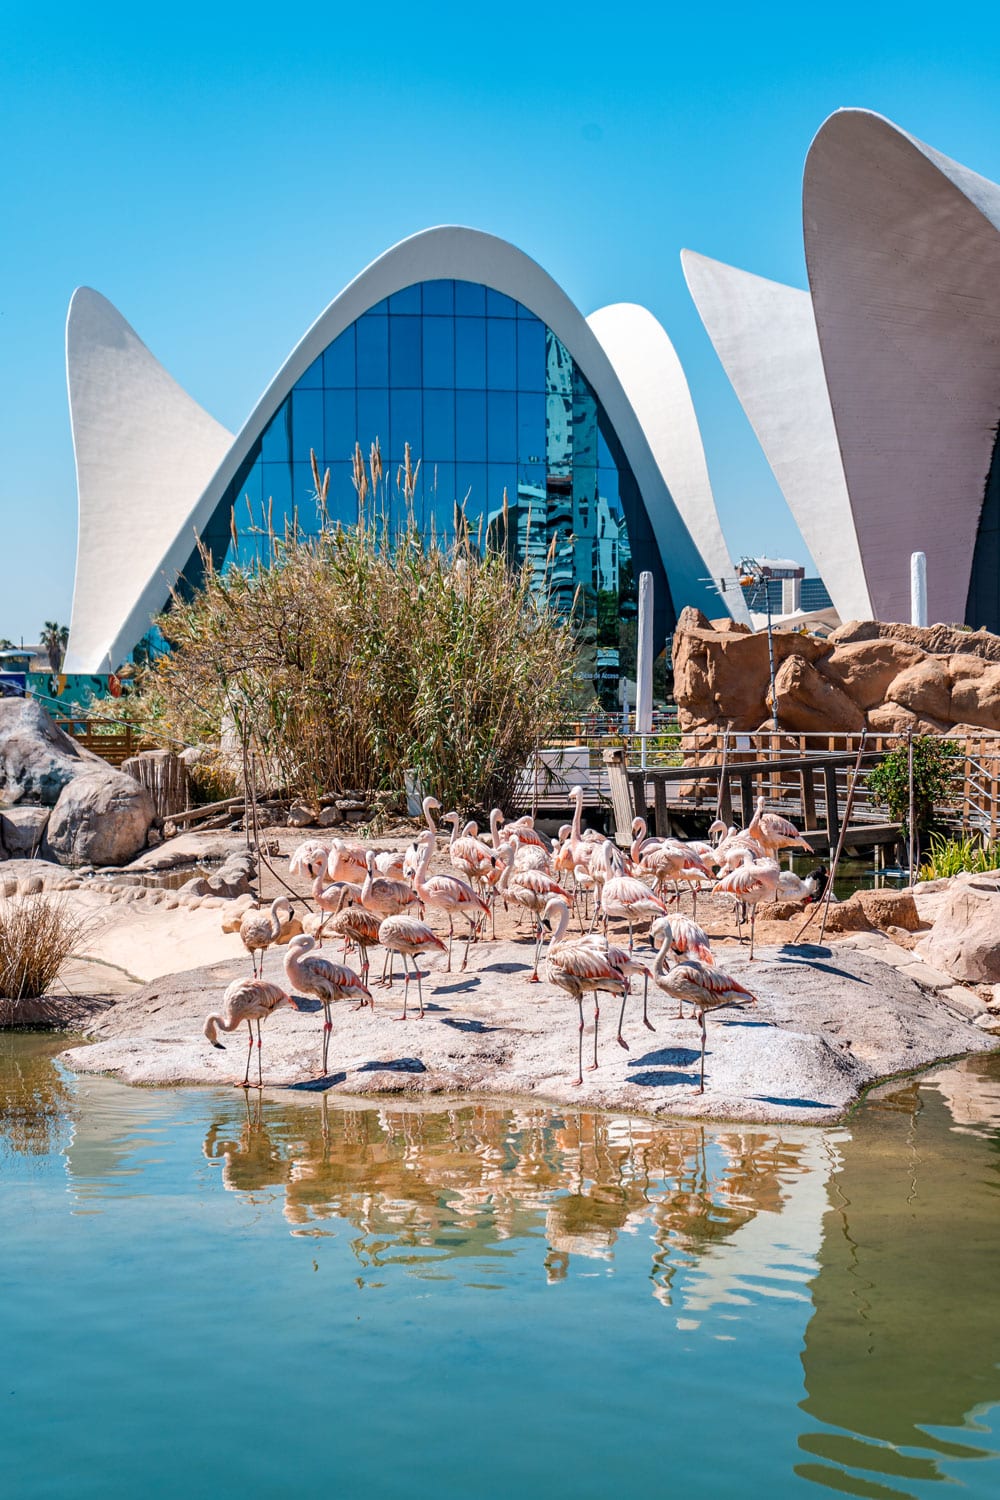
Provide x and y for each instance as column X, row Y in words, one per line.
column 905, row 1337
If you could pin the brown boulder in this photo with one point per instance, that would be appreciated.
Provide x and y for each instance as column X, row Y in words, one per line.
column 924, row 689
column 937, row 640
column 723, row 676
column 965, row 940
column 864, row 669
column 847, row 916
column 808, row 701
column 885, row 909
column 892, row 718
column 975, row 691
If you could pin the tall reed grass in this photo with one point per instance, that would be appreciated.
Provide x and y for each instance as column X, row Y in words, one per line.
column 967, row 854
column 345, row 658
column 37, row 935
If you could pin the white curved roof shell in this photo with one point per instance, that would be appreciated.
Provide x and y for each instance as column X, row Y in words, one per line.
column 765, row 336
column 652, row 377
column 904, row 265
column 143, row 449
column 105, row 636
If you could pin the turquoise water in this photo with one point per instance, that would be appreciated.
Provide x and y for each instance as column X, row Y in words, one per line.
column 204, row 1296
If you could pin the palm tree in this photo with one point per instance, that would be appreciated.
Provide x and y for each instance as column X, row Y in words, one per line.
column 54, row 638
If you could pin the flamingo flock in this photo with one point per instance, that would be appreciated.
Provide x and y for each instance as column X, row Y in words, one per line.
column 367, row 897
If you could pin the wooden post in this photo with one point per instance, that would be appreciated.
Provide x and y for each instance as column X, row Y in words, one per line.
column 832, row 809
column 663, row 828
column 746, row 797
column 808, row 798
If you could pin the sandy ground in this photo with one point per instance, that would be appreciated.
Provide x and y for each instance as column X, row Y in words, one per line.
column 830, row 1021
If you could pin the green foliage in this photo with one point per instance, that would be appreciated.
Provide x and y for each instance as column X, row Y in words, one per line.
column 54, row 640
column 955, row 856
column 933, row 766
column 365, row 651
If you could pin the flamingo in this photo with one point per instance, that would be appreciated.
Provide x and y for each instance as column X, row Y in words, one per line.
column 347, row 861
column 326, row 980
column 357, row 925
column 405, row 935
column 619, row 958
column 530, row 889
column 685, row 940
column 774, row 832
column 330, row 898
column 755, row 880
column 259, row 929
column 703, row 986
column 581, row 968
column 791, row 888
column 384, row 896
column 311, row 857
column 247, row 1000
column 452, row 896
column 469, row 856
column 624, row 896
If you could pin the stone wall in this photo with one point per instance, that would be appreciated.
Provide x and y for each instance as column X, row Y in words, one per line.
column 885, row 677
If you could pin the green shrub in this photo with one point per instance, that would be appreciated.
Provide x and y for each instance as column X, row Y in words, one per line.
column 343, row 659
column 933, row 766
column 955, row 856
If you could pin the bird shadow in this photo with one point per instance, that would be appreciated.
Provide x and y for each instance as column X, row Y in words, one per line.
column 505, row 968
column 394, row 1065
column 479, row 1027
column 307, row 1005
column 459, row 988
column 318, row 1085
column 676, row 1057
column 655, row 1079
column 807, row 962
column 793, row 1103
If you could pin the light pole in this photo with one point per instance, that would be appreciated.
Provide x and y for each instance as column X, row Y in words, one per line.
column 753, row 572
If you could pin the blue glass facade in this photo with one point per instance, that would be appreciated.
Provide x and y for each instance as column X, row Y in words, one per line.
column 489, row 401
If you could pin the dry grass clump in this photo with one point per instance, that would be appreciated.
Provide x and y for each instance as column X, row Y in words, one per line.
column 37, row 935
column 343, row 659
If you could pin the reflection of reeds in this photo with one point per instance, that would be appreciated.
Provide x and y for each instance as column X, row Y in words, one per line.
column 35, row 1100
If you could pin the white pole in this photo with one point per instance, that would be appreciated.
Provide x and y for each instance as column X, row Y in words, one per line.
column 918, row 588
column 644, row 658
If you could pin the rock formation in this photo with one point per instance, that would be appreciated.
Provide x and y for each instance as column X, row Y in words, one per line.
column 886, row 677
column 101, row 818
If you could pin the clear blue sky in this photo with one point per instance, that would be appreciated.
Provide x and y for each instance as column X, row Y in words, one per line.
column 219, row 172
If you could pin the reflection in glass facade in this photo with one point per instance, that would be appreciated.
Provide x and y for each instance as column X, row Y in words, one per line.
column 983, row 608
column 490, row 401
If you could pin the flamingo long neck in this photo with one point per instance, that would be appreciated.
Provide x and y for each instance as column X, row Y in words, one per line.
column 297, row 950
column 508, row 854
column 215, row 1024
column 496, row 818
column 422, row 867
column 369, row 880
column 428, row 804
column 454, row 819
column 559, row 930
column 662, row 961
column 279, row 901
column 576, row 826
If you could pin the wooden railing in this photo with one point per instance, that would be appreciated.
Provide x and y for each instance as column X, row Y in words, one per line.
column 113, row 743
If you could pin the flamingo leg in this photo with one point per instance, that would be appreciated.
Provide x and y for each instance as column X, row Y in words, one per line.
column 406, row 988
column 631, row 939
column 753, row 918
column 621, row 1016
column 420, row 988
column 645, row 1004
column 533, row 976
column 468, row 940
column 246, row 1076
column 260, row 1076
column 579, row 1045
column 597, row 1016
column 451, row 934
column 327, row 1028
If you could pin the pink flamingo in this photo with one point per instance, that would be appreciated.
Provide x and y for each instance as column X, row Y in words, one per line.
column 774, row 832
column 259, row 929
column 684, row 940
column 384, row 896
column 452, row 896
column 312, row 857
column 530, row 889
column 469, row 856
column 619, row 958
column 357, row 926
column 247, row 1000
column 326, row 980
column 704, row 987
column 407, row 936
column 624, row 896
column 580, row 968
column 756, row 880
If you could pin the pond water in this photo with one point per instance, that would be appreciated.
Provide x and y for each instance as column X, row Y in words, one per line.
column 210, row 1295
